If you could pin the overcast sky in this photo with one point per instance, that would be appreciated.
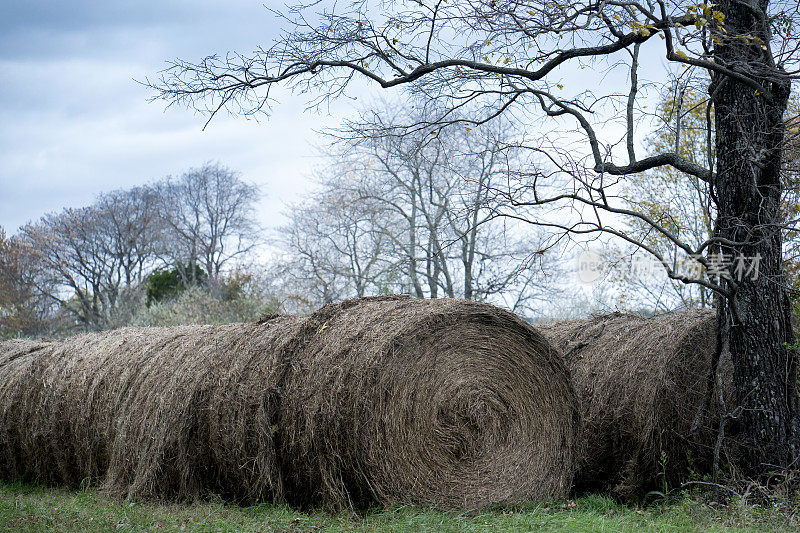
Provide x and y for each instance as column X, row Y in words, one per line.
column 73, row 122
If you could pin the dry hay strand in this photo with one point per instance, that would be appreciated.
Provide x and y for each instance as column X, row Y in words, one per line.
column 17, row 358
column 642, row 382
column 151, row 412
column 379, row 400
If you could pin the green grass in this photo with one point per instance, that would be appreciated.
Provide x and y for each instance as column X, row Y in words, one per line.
column 36, row 508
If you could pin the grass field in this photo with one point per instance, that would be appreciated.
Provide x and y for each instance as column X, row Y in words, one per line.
column 35, row 508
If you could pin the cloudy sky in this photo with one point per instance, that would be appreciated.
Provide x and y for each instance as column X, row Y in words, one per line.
column 74, row 122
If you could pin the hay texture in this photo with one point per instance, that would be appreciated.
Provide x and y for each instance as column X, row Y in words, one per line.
column 641, row 382
column 380, row 400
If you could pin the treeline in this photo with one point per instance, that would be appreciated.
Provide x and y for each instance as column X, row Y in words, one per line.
column 394, row 211
column 121, row 259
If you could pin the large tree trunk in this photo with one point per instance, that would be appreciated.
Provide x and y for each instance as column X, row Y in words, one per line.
column 749, row 140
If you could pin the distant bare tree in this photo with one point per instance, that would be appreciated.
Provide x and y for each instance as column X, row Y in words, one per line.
column 132, row 227
column 335, row 247
column 91, row 261
column 87, row 257
column 404, row 178
column 78, row 271
column 438, row 196
column 411, row 213
column 208, row 214
column 311, row 273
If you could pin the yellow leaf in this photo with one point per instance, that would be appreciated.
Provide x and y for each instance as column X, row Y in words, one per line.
column 560, row 86
column 681, row 54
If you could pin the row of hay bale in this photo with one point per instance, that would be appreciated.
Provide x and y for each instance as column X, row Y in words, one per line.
column 387, row 400
column 390, row 400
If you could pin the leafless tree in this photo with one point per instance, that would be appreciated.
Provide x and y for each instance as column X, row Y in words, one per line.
column 91, row 261
column 129, row 219
column 333, row 249
column 78, row 271
column 510, row 56
column 403, row 177
column 208, row 217
column 87, row 258
column 411, row 213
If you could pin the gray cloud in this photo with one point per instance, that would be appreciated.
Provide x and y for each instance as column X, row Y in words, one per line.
column 73, row 121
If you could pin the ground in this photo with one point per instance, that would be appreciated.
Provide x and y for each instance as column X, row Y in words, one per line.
column 36, row 508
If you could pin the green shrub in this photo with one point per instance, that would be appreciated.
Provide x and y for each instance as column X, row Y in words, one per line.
column 166, row 284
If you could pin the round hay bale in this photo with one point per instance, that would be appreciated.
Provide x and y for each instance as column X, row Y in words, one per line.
column 380, row 400
column 16, row 362
column 641, row 382
column 442, row 402
column 152, row 412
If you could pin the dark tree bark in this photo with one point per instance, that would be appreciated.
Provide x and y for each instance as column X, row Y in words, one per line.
column 749, row 141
